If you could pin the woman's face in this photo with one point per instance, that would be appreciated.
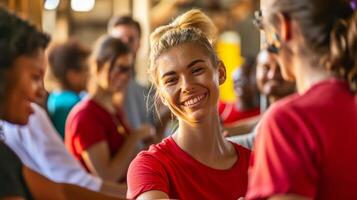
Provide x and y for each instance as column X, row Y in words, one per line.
column 284, row 53
column 24, row 85
column 116, row 78
column 188, row 82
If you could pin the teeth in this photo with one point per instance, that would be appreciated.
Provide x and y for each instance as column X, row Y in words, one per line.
column 193, row 100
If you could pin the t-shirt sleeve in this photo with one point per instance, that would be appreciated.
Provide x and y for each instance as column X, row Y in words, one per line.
column 86, row 130
column 284, row 158
column 10, row 177
column 146, row 173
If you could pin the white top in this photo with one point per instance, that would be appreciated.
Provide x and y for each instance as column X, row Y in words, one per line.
column 40, row 148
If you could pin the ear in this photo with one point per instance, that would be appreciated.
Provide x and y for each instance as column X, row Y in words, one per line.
column 221, row 72
column 284, row 27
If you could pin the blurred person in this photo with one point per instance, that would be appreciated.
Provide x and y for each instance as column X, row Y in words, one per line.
column 306, row 143
column 187, row 73
column 247, row 95
column 68, row 64
column 97, row 133
column 22, row 67
column 128, row 30
column 270, row 84
column 40, row 148
column 270, row 81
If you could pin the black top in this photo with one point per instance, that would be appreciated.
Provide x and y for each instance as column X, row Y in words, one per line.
column 12, row 182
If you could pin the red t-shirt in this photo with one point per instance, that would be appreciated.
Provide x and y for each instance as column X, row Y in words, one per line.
column 88, row 123
column 166, row 167
column 306, row 145
column 229, row 113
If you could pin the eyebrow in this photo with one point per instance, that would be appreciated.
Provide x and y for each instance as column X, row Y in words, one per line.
column 191, row 64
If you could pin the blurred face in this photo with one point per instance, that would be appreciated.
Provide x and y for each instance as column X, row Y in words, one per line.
column 116, row 77
column 189, row 82
column 127, row 34
column 274, row 42
column 78, row 79
column 244, row 86
column 269, row 79
column 24, row 85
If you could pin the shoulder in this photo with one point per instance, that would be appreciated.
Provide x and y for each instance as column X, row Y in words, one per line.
column 86, row 109
column 153, row 159
column 63, row 98
column 148, row 172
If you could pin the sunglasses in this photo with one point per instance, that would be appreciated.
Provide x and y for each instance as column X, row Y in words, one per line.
column 121, row 69
column 273, row 41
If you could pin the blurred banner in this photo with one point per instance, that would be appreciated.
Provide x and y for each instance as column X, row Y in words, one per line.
column 229, row 51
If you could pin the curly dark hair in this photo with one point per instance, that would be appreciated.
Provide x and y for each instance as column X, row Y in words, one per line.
column 18, row 37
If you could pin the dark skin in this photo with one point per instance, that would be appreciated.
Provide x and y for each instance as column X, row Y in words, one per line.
column 245, row 88
column 26, row 77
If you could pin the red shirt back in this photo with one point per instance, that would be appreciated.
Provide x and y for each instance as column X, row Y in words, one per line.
column 88, row 123
column 306, row 145
column 166, row 167
column 229, row 113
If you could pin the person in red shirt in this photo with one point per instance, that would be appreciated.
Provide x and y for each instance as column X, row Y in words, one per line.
column 306, row 143
column 196, row 162
column 247, row 95
column 96, row 130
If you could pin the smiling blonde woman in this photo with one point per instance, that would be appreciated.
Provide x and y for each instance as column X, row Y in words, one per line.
column 196, row 162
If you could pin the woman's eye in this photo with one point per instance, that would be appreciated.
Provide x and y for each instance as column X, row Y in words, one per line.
column 36, row 77
column 197, row 70
column 170, row 81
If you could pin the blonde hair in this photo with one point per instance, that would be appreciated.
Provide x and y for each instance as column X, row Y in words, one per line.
column 191, row 27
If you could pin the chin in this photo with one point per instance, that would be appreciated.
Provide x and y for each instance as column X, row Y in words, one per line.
column 21, row 117
column 19, row 121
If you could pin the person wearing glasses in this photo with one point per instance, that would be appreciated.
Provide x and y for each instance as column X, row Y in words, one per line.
column 97, row 133
column 196, row 162
column 305, row 147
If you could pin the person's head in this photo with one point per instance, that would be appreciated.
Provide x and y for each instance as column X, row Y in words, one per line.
column 321, row 33
column 68, row 63
column 245, row 87
column 184, row 66
column 112, row 63
column 126, row 29
column 22, row 66
column 269, row 79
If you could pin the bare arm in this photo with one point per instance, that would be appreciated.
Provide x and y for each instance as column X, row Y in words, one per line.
column 98, row 160
column 153, row 194
column 114, row 189
column 43, row 188
column 242, row 127
column 288, row 197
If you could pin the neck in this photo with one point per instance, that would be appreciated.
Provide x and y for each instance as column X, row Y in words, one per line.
column 308, row 74
column 204, row 141
column 104, row 98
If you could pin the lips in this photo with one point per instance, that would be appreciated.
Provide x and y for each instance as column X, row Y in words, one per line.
column 194, row 100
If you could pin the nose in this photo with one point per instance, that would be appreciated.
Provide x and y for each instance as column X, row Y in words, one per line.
column 186, row 84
